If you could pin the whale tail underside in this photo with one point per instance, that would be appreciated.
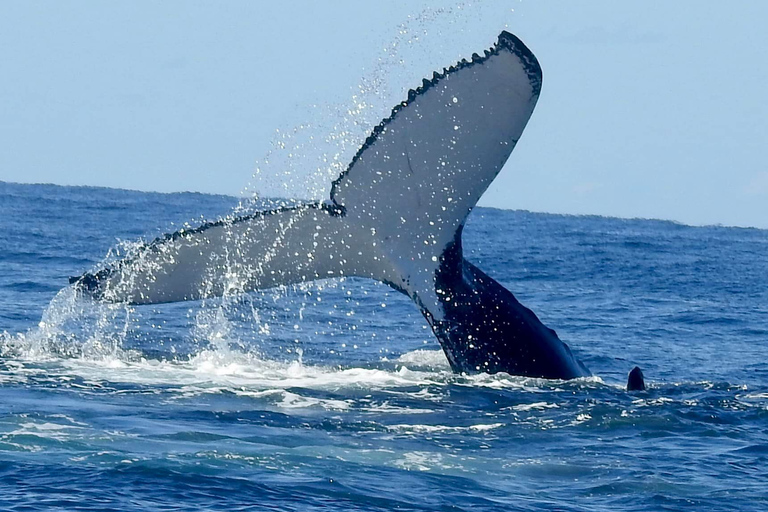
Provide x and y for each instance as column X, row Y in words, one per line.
column 395, row 215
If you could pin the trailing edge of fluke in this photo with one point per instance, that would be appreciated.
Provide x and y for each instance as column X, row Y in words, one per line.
column 395, row 215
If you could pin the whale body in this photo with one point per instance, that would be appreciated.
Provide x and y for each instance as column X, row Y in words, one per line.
column 395, row 215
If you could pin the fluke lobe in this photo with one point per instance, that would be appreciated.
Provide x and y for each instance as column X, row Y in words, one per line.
column 396, row 215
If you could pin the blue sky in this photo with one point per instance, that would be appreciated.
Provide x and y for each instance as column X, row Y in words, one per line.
column 649, row 109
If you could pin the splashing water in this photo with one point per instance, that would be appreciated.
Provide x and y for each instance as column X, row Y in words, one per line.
column 71, row 328
column 305, row 159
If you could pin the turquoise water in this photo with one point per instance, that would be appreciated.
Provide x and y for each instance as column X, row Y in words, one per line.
column 335, row 396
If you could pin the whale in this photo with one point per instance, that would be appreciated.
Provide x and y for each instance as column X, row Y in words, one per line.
column 636, row 380
column 396, row 215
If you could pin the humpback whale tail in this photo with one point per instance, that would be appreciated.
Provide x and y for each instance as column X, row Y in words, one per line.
column 395, row 215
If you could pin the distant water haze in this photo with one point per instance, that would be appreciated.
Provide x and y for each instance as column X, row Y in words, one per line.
column 649, row 109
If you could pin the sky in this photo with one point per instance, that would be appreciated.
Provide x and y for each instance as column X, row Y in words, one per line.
column 649, row 109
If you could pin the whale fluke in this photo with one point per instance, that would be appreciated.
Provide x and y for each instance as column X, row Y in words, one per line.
column 395, row 215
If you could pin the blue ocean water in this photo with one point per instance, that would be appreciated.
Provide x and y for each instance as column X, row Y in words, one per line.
column 335, row 396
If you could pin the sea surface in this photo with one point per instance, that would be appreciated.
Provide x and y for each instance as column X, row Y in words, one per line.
column 336, row 396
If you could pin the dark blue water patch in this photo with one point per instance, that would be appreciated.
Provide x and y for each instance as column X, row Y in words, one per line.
column 144, row 486
column 30, row 286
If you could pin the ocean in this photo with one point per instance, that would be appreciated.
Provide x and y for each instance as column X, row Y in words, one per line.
column 336, row 396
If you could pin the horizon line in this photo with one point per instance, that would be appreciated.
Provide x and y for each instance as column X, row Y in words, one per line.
column 244, row 197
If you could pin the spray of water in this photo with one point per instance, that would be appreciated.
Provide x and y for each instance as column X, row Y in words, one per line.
column 301, row 164
column 304, row 160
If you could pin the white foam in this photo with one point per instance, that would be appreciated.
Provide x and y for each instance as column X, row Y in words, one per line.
column 428, row 429
column 223, row 370
column 434, row 359
column 83, row 340
column 46, row 430
column 534, row 406
column 428, row 461
column 214, row 371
